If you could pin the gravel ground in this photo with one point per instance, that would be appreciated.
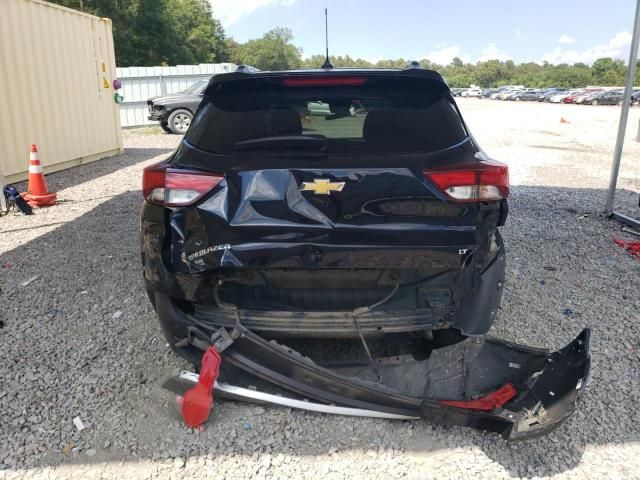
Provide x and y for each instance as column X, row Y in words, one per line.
column 81, row 340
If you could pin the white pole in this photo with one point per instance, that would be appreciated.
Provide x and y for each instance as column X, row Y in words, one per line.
column 624, row 114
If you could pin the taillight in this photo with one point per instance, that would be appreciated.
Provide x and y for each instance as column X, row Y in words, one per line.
column 173, row 187
column 482, row 181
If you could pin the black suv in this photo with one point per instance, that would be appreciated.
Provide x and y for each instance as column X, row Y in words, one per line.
column 349, row 216
column 175, row 111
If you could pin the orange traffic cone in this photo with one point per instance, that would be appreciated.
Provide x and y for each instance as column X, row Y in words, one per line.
column 38, row 195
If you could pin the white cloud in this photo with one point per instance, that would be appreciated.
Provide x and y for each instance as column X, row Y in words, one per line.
column 491, row 52
column 616, row 47
column 230, row 11
column 443, row 54
column 621, row 40
column 566, row 39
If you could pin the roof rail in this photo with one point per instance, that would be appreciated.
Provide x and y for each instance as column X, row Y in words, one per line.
column 246, row 69
column 413, row 64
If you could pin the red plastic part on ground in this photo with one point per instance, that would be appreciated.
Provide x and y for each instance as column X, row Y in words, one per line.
column 633, row 247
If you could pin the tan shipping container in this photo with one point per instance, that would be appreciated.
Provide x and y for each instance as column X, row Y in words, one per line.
column 57, row 67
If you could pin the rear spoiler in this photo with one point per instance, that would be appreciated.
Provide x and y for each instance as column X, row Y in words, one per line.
column 245, row 74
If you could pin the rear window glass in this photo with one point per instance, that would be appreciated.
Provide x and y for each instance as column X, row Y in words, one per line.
column 380, row 116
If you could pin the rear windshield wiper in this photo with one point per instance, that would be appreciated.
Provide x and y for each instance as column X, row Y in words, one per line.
column 287, row 142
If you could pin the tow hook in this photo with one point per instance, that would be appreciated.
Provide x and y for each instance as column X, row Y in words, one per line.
column 198, row 400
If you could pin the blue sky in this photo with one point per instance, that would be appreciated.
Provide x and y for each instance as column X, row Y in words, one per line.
column 557, row 31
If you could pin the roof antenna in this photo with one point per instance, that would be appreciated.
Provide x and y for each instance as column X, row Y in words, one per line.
column 327, row 63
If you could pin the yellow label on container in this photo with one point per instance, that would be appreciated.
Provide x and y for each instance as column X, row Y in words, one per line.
column 105, row 84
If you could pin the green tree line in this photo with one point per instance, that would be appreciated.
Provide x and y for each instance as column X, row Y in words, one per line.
column 172, row 32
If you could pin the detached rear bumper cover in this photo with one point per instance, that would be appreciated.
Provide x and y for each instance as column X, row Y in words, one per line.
column 548, row 384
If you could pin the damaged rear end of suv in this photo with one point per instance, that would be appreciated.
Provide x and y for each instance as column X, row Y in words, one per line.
column 335, row 235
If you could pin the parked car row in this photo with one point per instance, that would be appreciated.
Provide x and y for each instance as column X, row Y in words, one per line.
column 587, row 96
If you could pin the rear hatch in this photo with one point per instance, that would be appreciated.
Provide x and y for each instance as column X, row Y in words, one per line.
column 325, row 191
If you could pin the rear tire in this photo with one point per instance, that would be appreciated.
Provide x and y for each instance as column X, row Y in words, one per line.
column 620, row 102
column 179, row 121
column 594, row 103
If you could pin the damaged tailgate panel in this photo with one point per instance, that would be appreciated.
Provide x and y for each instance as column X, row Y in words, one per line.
column 488, row 384
column 262, row 218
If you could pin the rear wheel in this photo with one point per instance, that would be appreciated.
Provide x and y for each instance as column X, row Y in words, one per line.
column 179, row 121
column 594, row 102
column 517, row 99
column 620, row 102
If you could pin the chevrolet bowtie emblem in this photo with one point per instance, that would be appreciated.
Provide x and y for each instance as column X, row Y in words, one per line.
column 322, row 186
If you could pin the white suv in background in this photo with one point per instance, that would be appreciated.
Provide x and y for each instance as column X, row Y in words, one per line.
column 473, row 91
